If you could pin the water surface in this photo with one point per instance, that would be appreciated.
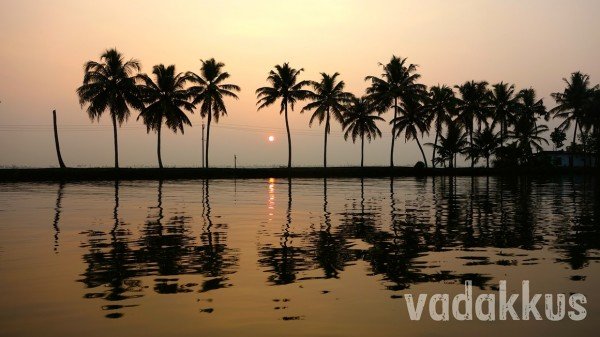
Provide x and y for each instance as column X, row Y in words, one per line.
column 301, row 257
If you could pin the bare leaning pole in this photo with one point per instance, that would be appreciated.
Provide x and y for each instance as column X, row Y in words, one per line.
column 60, row 161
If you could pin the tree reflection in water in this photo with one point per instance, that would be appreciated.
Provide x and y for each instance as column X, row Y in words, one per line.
column 481, row 219
column 57, row 211
column 473, row 215
column 164, row 247
column 285, row 261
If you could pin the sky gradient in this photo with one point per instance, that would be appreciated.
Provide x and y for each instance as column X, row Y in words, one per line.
column 45, row 44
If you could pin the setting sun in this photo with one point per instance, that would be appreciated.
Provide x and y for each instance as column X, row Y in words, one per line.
column 271, row 138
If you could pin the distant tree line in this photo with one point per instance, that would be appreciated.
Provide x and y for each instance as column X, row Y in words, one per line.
column 479, row 121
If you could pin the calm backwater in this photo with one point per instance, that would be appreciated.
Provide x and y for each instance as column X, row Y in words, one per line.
column 279, row 257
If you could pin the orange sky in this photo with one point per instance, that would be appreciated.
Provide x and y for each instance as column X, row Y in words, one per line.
column 45, row 43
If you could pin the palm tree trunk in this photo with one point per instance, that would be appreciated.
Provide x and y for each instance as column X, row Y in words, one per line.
column 208, row 135
column 437, row 133
column 422, row 152
column 471, row 147
column 573, row 145
column 60, row 160
column 325, row 143
column 362, row 150
column 503, row 131
column 116, row 142
column 289, row 137
column 393, row 137
column 487, row 161
column 160, row 165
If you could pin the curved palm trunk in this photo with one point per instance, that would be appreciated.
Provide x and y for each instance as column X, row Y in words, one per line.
column 116, row 142
column 362, row 150
column 61, row 163
column 437, row 133
column 208, row 135
column 160, row 165
column 289, row 137
column 325, row 143
column 393, row 137
column 422, row 152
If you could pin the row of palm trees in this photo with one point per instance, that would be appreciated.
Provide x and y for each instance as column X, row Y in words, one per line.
column 480, row 121
column 116, row 86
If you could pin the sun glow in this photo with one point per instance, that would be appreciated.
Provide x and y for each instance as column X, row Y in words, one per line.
column 271, row 138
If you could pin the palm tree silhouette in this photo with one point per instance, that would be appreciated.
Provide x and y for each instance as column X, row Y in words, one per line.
column 571, row 103
column 397, row 80
column 328, row 98
column 528, row 106
column 110, row 85
column 209, row 93
column 360, row 121
column 473, row 106
column 502, row 107
column 286, row 86
column 453, row 143
column 412, row 120
column 485, row 144
column 528, row 135
column 440, row 106
column 166, row 100
column 592, row 120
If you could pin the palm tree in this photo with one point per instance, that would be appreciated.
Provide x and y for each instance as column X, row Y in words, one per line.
column 502, row 105
column 528, row 106
column 396, row 82
column 528, row 135
column 360, row 121
column 412, row 120
column 286, row 86
column 473, row 106
column 166, row 100
column 453, row 143
column 485, row 143
column 571, row 103
column 209, row 93
column 110, row 85
column 592, row 120
column 328, row 98
column 441, row 106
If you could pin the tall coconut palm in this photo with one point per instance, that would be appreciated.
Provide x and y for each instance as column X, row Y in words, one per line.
column 451, row 144
column 397, row 81
column 485, row 144
column 441, row 107
column 528, row 106
column 412, row 120
column 592, row 121
column 210, row 92
column 528, row 136
column 110, row 85
column 571, row 103
column 360, row 121
column 328, row 99
column 166, row 99
column 473, row 107
column 503, row 103
column 285, row 85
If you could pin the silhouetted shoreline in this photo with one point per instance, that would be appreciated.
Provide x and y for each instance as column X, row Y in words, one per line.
column 90, row 174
